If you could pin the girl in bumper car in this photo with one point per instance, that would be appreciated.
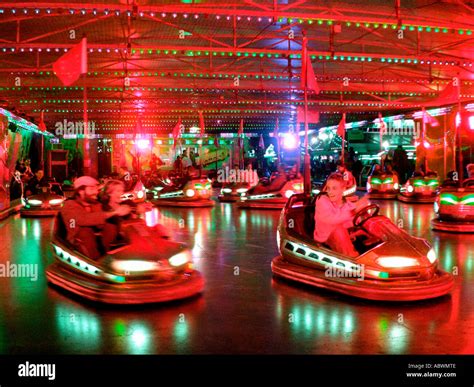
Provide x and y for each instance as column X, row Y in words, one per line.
column 333, row 216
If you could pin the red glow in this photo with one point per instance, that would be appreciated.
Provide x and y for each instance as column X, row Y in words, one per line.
column 471, row 122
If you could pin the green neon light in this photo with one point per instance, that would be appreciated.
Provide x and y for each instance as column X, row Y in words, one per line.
column 418, row 183
column 375, row 180
column 388, row 180
column 468, row 200
column 432, row 183
column 448, row 199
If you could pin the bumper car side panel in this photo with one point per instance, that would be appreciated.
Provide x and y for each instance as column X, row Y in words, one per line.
column 382, row 195
column 452, row 226
column 421, row 199
column 269, row 204
column 183, row 203
column 438, row 286
column 228, row 198
column 138, row 293
column 39, row 213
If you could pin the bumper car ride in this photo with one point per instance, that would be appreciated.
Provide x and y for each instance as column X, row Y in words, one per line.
column 392, row 265
column 455, row 209
column 419, row 190
column 231, row 192
column 146, row 268
column 43, row 204
column 272, row 200
column 153, row 191
column 137, row 194
column 194, row 193
column 382, row 187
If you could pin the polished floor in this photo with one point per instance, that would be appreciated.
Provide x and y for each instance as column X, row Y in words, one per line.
column 243, row 310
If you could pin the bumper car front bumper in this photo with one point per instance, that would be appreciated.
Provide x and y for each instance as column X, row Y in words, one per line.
column 417, row 198
column 183, row 202
column 187, row 285
column 40, row 212
column 439, row 285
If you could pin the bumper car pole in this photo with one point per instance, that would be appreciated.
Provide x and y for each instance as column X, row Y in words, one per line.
column 306, row 168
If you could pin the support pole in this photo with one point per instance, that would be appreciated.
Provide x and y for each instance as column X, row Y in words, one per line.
column 85, row 143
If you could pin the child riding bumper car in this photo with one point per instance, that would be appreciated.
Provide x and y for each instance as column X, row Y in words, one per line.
column 391, row 265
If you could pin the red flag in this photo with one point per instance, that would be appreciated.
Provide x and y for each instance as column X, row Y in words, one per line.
column 341, row 128
column 41, row 125
column 201, row 123
column 382, row 130
column 240, row 133
column 308, row 79
column 261, row 143
column 275, row 131
column 312, row 116
column 241, row 128
column 382, row 125
column 70, row 66
column 429, row 119
column 176, row 132
column 216, row 141
column 449, row 95
column 451, row 92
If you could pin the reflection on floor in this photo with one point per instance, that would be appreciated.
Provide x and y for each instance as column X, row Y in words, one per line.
column 243, row 309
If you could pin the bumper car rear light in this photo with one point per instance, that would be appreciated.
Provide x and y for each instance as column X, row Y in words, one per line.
column 242, row 190
column 55, row 202
column 226, row 190
column 35, row 202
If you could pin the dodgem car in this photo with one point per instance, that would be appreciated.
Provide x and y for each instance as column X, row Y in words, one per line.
column 420, row 189
column 384, row 186
column 454, row 208
column 136, row 193
column 47, row 202
column 231, row 192
column 143, row 267
column 392, row 265
column 193, row 193
column 274, row 197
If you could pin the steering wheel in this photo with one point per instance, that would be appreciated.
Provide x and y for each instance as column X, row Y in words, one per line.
column 468, row 182
column 364, row 214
